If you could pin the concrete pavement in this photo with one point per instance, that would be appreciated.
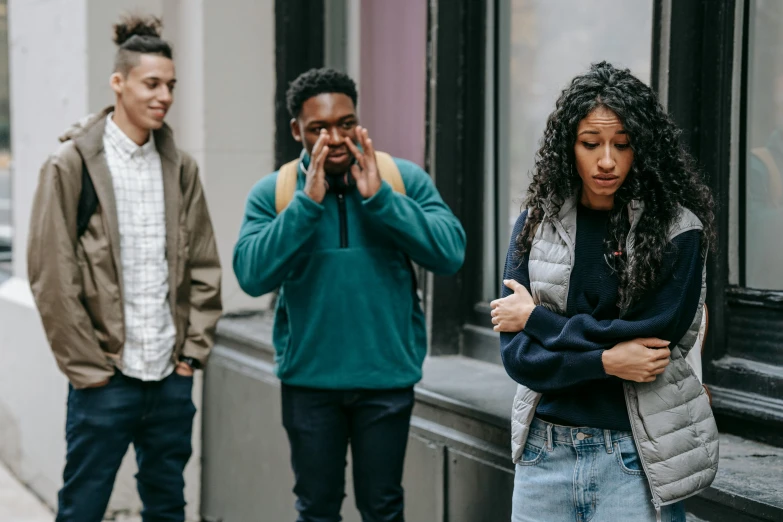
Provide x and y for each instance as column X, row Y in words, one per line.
column 18, row 504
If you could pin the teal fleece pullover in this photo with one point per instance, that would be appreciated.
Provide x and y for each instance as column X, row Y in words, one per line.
column 348, row 315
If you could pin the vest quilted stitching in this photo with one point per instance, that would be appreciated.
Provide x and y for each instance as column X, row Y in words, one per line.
column 676, row 434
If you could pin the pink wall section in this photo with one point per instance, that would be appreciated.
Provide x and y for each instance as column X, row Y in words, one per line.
column 393, row 75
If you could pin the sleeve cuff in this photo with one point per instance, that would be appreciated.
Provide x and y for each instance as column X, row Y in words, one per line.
column 380, row 199
column 306, row 205
column 595, row 364
column 195, row 350
column 543, row 323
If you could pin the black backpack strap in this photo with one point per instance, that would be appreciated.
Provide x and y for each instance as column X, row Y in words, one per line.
column 414, row 277
column 88, row 202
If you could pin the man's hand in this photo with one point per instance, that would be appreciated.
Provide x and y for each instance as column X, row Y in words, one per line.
column 640, row 360
column 98, row 384
column 365, row 170
column 184, row 369
column 316, row 186
column 510, row 314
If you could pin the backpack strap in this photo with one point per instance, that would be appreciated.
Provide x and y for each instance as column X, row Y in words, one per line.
column 389, row 172
column 285, row 185
column 88, row 202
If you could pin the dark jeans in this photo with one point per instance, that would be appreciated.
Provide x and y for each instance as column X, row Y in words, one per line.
column 157, row 417
column 320, row 423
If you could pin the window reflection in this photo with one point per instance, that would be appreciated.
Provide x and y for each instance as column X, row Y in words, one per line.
column 764, row 177
column 548, row 43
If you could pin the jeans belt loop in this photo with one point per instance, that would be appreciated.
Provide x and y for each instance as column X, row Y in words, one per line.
column 608, row 440
column 549, row 437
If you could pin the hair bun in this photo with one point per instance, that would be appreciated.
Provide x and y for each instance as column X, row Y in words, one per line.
column 131, row 26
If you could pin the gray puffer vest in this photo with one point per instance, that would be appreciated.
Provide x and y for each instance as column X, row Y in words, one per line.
column 671, row 419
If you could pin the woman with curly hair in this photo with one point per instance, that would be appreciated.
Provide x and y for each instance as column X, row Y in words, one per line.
column 602, row 300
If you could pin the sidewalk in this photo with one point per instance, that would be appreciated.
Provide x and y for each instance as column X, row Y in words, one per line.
column 18, row 504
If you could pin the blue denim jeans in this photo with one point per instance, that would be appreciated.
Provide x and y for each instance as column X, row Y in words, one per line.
column 320, row 424
column 583, row 474
column 156, row 417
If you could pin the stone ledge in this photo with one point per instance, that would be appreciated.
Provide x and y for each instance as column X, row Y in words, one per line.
column 473, row 388
column 749, row 481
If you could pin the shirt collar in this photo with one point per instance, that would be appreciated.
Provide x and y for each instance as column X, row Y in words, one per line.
column 125, row 146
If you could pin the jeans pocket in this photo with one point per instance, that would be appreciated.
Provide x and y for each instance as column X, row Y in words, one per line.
column 628, row 457
column 534, row 451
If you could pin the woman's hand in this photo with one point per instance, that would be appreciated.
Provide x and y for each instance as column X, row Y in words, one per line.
column 640, row 360
column 510, row 314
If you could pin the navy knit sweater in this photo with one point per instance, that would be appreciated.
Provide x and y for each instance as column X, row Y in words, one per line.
column 561, row 356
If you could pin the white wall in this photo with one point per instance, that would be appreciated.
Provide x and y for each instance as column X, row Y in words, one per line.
column 61, row 59
column 224, row 109
column 48, row 66
column 239, row 119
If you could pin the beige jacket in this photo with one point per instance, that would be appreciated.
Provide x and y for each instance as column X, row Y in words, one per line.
column 76, row 282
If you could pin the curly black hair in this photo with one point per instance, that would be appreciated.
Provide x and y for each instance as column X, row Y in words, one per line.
column 663, row 174
column 136, row 35
column 315, row 82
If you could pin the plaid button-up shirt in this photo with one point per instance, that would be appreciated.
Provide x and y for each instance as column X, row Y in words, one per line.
column 137, row 177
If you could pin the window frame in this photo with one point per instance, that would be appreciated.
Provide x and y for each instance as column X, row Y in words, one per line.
column 461, row 322
column 747, row 391
column 457, row 41
column 299, row 46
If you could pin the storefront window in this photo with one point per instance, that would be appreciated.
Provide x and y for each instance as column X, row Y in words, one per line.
column 543, row 45
column 764, row 153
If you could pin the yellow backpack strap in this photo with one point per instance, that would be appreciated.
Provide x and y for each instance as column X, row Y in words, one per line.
column 285, row 185
column 389, row 172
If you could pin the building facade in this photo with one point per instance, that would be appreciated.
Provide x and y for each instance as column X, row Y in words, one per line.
column 61, row 56
column 463, row 88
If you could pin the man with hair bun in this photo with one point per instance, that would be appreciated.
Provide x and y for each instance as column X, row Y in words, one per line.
column 124, row 270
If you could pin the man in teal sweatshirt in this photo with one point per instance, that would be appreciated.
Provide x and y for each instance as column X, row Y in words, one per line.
column 349, row 332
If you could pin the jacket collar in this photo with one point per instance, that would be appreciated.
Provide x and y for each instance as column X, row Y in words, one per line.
column 635, row 210
column 87, row 135
column 88, row 139
column 565, row 223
